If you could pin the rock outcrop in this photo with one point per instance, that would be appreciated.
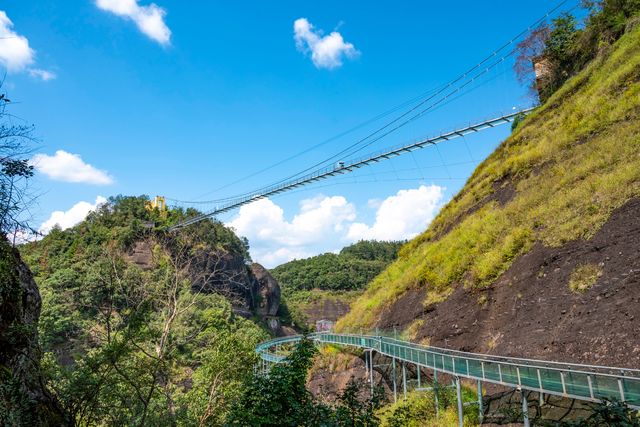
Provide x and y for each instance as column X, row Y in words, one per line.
column 252, row 290
column 24, row 400
column 268, row 291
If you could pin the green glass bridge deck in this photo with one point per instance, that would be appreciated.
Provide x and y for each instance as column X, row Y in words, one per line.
column 584, row 382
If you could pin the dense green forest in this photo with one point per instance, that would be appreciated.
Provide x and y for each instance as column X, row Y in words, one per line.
column 129, row 344
column 351, row 269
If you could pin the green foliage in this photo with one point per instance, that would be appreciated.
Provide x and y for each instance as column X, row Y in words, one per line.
column 516, row 121
column 571, row 163
column 351, row 269
column 352, row 410
column 15, row 170
column 281, row 398
column 419, row 409
column 568, row 49
column 128, row 344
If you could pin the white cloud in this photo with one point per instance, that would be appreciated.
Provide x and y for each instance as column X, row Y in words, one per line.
column 15, row 53
column 73, row 216
column 149, row 19
column 42, row 74
column 326, row 51
column 67, row 167
column 326, row 224
column 401, row 216
column 319, row 224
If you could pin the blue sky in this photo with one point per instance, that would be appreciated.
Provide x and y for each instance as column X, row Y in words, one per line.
column 180, row 98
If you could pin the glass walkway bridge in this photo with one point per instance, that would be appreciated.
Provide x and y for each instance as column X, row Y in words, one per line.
column 582, row 382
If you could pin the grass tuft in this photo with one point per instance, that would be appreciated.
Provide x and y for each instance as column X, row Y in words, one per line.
column 584, row 277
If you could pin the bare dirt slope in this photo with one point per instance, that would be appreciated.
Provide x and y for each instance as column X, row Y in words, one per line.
column 530, row 311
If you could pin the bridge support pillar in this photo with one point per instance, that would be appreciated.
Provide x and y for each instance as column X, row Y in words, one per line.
column 525, row 409
column 404, row 379
column 370, row 369
column 459, row 396
column 395, row 388
column 435, row 391
column 480, row 407
column 419, row 384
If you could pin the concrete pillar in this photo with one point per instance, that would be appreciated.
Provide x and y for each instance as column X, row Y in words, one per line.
column 371, row 370
column 460, row 409
column 480, row 408
column 525, row 409
column 395, row 391
column 404, row 379
column 435, row 391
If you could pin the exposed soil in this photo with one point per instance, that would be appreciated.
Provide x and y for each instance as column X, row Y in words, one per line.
column 328, row 378
column 406, row 309
column 531, row 312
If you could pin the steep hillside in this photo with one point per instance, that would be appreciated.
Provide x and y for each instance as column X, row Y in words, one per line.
column 323, row 286
column 539, row 254
column 144, row 327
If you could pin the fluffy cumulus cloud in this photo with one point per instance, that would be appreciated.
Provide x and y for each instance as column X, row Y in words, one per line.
column 15, row 53
column 401, row 216
column 318, row 225
column 149, row 19
column 66, row 219
column 326, row 224
column 68, row 167
column 327, row 51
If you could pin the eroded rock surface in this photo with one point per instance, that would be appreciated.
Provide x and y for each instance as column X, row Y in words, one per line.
column 24, row 401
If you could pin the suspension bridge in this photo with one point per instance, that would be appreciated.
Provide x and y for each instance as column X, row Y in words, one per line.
column 582, row 382
column 344, row 167
column 343, row 161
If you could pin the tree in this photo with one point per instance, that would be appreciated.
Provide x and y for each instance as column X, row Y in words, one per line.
column 281, row 398
column 15, row 170
column 528, row 51
column 355, row 410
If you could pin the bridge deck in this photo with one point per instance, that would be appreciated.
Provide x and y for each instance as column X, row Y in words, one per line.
column 584, row 382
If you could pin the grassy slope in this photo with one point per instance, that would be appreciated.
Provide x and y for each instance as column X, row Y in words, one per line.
column 572, row 162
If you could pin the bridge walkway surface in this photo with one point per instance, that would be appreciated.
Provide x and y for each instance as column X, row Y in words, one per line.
column 583, row 382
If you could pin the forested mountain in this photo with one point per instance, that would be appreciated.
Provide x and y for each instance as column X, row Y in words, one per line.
column 137, row 324
column 351, row 269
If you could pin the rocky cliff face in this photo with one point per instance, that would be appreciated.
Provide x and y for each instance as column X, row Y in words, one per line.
column 250, row 289
column 24, row 400
column 268, row 291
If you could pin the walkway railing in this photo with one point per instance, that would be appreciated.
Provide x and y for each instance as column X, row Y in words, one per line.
column 583, row 382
